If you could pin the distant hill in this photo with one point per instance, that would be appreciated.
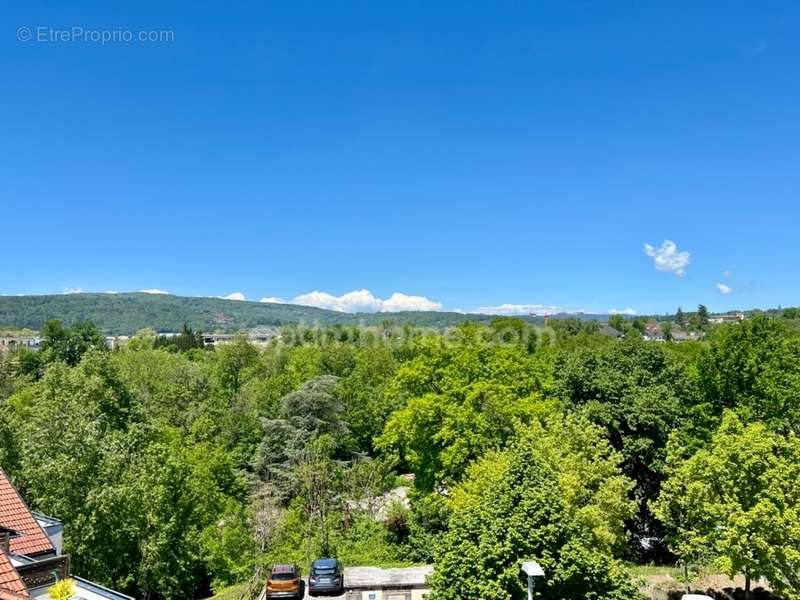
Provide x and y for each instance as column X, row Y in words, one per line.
column 124, row 314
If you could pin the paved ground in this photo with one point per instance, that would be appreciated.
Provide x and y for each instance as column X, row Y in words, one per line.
column 321, row 597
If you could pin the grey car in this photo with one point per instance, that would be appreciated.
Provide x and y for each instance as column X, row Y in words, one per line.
column 326, row 577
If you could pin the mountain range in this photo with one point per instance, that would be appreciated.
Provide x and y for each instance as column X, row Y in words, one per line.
column 126, row 313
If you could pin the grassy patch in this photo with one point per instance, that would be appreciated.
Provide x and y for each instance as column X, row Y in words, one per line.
column 646, row 571
column 231, row 593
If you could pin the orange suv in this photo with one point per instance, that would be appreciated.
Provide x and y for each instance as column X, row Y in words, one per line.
column 284, row 582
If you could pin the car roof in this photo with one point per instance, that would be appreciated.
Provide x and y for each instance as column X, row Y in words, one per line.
column 283, row 568
column 325, row 563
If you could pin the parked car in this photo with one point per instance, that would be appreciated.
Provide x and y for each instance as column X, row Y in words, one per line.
column 696, row 597
column 284, row 582
column 326, row 577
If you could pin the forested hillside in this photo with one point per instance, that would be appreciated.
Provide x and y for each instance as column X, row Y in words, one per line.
column 180, row 472
column 128, row 313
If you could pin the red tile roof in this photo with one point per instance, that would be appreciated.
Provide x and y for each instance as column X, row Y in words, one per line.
column 14, row 514
column 11, row 586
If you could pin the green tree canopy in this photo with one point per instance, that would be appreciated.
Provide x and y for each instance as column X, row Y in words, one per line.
column 738, row 501
column 462, row 400
column 638, row 393
column 69, row 344
column 556, row 495
column 753, row 368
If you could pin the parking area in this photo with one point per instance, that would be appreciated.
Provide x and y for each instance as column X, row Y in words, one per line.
column 372, row 583
column 307, row 595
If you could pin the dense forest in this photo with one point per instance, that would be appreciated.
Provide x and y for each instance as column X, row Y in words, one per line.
column 180, row 470
column 125, row 314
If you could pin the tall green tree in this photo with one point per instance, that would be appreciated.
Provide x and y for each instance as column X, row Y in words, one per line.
column 702, row 316
column 753, row 368
column 134, row 496
column 738, row 501
column 556, row 496
column 69, row 344
column 617, row 322
column 460, row 400
column 638, row 393
column 306, row 415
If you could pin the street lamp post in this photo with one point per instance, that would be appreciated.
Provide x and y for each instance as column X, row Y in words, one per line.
column 531, row 569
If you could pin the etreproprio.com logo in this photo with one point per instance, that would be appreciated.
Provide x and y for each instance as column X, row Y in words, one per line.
column 44, row 34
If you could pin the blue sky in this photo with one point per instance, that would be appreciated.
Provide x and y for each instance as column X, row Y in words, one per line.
column 475, row 154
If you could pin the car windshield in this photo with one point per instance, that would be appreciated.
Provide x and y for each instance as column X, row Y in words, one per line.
column 324, row 570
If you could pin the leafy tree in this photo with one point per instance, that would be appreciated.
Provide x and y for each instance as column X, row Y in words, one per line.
column 572, row 327
column 464, row 399
column 133, row 495
column 753, row 368
column 702, row 316
column 617, row 322
column 791, row 313
column 232, row 361
column 25, row 362
column 680, row 318
column 366, row 408
column 305, row 416
column 69, row 344
column 556, row 496
column 317, row 476
column 639, row 325
column 511, row 330
column 738, row 500
column 638, row 393
column 186, row 340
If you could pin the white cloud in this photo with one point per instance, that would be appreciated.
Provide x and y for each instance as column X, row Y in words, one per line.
column 365, row 301
column 234, row 296
column 724, row 289
column 398, row 302
column 520, row 309
column 71, row 290
column 273, row 300
column 154, row 291
column 668, row 258
column 356, row 301
column 624, row 311
column 111, row 292
column 727, row 273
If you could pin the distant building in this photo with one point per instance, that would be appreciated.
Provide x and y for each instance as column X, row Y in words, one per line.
column 679, row 335
column 653, row 332
column 10, row 342
column 729, row 318
column 260, row 337
column 31, row 558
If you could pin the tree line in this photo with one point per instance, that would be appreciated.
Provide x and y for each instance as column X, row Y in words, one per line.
column 179, row 470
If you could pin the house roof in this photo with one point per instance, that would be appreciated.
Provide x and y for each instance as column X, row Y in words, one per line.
column 14, row 514
column 11, row 586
